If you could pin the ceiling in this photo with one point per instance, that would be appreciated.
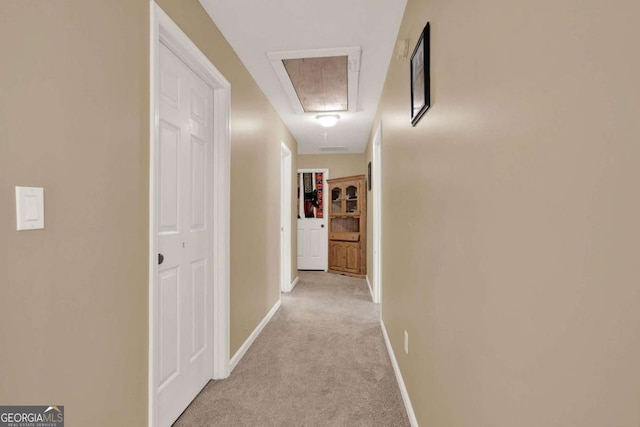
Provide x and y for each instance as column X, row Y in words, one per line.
column 257, row 28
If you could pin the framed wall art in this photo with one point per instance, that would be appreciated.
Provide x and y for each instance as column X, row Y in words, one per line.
column 420, row 90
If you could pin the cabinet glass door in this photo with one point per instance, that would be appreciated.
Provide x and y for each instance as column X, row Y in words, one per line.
column 336, row 200
column 352, row 199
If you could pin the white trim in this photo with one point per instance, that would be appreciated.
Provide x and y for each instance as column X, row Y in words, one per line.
column 286, row 217
column 256, row 332
column 163, row 29
column 179, row 43
column 294, row 283
column 370, row 289
column 353, row 73
column 403, row 389
column 325, row 217
column 222, row 235
column 153, row 120
column 377, row 214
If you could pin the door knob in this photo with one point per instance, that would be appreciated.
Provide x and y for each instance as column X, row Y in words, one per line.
column 160, row 259
column 321, row 225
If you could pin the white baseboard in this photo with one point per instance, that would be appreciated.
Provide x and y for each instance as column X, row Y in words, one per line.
column 294, row 283
column 249, row 341
column 403, row 389
column 370, row 288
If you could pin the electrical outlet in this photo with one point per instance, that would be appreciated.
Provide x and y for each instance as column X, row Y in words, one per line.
column 406, row 342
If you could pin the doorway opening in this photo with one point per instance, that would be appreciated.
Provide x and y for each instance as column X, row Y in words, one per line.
column 285, row 218
column 188, row 238
column 313, row 236
column 376, row 189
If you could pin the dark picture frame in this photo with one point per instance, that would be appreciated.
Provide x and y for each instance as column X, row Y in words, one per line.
column 420, row 82
column 369, row 175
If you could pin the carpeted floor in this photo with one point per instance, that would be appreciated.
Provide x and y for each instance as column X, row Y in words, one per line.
column 321, row 361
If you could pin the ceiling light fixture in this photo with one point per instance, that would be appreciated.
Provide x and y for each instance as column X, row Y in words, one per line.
column 328, row 120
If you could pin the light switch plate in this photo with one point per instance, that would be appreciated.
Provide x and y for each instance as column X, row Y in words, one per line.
column 29, row 208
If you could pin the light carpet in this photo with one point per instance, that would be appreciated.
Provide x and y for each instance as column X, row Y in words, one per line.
column 321, row 361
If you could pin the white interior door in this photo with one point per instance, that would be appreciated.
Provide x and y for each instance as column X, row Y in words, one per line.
column 184, row 303
column 313, row 237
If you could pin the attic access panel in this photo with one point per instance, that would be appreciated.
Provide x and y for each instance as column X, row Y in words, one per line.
column 320, row 83
column 316, row 72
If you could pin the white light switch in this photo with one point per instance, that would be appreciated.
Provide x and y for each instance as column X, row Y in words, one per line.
column 30, row 208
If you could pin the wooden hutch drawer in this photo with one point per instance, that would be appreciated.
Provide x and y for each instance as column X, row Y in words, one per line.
column 345, row 237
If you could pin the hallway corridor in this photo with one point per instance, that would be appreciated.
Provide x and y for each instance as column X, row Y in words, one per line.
column 321, row 361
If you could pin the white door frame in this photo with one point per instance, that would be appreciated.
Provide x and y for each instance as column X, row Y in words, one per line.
column 376, row 188
column 325, row 217
column 163, row 29
column 285, row 218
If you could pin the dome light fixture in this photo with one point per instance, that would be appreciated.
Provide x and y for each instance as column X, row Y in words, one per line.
column 328, row 120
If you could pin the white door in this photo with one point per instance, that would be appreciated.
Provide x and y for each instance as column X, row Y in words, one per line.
column 184, row 312
column 313, row 238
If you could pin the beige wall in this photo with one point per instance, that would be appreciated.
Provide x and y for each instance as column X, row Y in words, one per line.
column 339, row 165
column 74, row 119
column 510, row 216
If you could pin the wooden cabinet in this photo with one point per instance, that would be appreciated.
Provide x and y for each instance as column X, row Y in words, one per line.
column 347, row 225
column 344, row 257
column 337, row 256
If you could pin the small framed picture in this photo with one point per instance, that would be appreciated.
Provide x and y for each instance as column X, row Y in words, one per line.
column 369, row 175
column 420, row 91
